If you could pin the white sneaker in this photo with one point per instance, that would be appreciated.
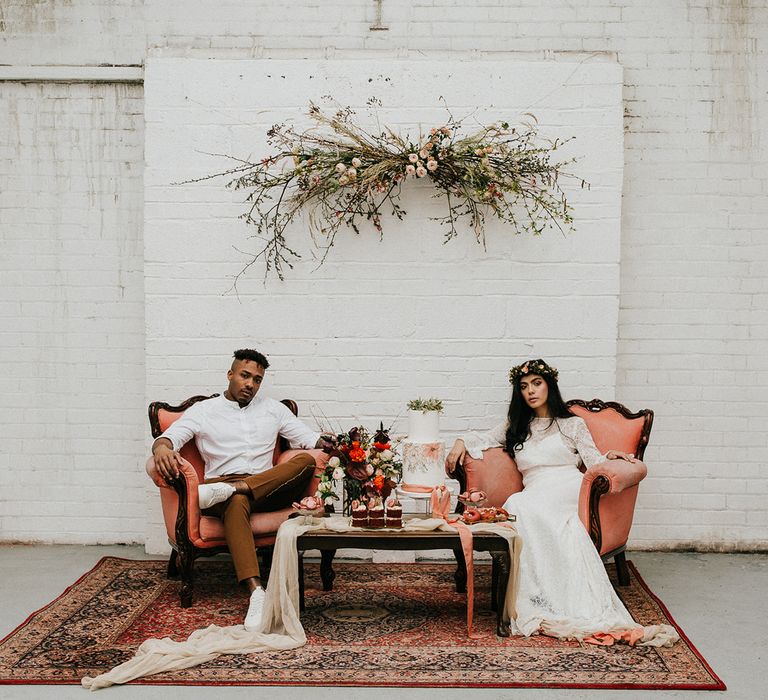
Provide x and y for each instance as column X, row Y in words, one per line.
column 253, row 617
column 210, row 494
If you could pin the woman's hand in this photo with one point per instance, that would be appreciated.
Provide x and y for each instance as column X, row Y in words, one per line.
column 455, row 456
column 616, row 454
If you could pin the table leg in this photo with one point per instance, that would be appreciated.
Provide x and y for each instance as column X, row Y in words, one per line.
column 301, row 581
column 503, row 563
column 460, row 576
column 494, row 584
column 327, row 574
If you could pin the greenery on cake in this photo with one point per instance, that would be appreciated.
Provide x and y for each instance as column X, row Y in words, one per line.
column 426, row 405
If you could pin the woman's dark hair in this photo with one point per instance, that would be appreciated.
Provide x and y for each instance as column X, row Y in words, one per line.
column 520, row 413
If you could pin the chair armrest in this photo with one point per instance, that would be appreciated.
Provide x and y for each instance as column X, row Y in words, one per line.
column 619, row 473
column 185, row 468
column 153, row 474
column 607, row 501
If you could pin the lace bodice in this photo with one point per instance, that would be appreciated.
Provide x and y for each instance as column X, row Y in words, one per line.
column 573, row 431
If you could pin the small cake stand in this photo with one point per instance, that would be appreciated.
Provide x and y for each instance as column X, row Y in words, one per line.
column 419, row 496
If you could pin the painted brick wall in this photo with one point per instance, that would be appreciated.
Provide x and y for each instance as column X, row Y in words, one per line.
column 380, row 322
column 72, row 33
column 72, row 313
column 692, row 324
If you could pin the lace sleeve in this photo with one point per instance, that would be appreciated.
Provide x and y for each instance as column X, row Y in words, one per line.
column 583, row 442
column 477, row 442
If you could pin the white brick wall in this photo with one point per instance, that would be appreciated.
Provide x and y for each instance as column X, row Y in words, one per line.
column 72, row 338
column 693, row 259
column 379, row 323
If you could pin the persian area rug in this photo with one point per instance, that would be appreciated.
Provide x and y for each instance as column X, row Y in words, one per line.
column 382, row 625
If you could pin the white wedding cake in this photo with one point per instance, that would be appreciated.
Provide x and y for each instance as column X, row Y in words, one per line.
column 423, row 453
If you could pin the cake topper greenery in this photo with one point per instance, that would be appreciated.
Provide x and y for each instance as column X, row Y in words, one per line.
column 426, row 405
column 343, row 175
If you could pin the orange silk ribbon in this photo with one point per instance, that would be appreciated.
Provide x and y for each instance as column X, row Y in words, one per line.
column 441, row 508
column 606, row 639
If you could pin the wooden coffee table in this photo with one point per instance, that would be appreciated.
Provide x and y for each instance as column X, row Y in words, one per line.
column 328, row 542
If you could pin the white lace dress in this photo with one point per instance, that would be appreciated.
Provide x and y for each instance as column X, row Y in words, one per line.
column 564, row 589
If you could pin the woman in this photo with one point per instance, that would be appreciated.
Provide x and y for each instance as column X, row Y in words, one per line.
column 564, row 589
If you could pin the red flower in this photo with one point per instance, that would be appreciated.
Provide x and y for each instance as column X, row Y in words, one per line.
column 381, row 446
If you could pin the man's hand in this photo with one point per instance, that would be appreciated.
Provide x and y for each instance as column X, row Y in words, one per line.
column 455, row 456
column 167, row 460
column 616, row 454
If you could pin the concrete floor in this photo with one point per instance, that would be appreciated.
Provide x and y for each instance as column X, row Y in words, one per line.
column 718, row 599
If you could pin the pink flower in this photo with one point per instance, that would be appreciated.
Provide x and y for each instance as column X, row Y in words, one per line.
column 421, row 171
column 423, row 154
column 410, row 170
column 340, row 167
column 431, row 165
column 413, row 157
column 356, row 162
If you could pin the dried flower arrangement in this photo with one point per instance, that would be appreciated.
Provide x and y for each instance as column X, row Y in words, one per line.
column 344, row 174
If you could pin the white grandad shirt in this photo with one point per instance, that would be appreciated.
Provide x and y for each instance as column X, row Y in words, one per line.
column 234, row 440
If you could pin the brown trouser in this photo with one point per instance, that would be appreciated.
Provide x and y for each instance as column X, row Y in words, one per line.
column 271, row 490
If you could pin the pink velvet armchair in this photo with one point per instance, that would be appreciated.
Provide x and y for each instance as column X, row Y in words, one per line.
column 608, row 491
column 192, row 534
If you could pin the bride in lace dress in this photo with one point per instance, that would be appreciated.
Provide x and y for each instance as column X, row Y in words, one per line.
column 564, row 589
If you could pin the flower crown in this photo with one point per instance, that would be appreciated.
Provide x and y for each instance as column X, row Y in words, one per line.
column 532, row 367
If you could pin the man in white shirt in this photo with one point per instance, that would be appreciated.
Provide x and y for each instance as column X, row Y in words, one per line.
column 236, row 434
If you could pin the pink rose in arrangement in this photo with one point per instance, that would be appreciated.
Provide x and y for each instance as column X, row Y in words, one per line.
column 421, row 171
column 340, row 167
column 356, row 162
column 431, row 165
column 413, row 157
column 410, row 170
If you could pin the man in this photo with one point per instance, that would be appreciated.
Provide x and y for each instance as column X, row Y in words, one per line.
column 236, row 434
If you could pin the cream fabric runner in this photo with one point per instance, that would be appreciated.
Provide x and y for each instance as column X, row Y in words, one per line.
column 280, row 626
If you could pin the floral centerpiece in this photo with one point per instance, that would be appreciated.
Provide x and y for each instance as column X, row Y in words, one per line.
column 344, row 174
column 365, row 464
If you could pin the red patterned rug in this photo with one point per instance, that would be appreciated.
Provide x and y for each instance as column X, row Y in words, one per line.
column 382, row 625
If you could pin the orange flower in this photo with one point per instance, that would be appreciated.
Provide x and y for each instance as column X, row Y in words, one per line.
column 378, row 482
column 357, row 455
column 381, row 446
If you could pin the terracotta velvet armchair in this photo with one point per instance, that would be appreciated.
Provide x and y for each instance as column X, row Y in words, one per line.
column 192, row 534
column 608, row 491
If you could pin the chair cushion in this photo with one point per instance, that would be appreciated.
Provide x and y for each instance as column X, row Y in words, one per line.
column 610, row 430
column 496, row 474
column 212, row 529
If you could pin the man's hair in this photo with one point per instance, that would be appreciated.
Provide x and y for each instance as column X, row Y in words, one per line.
column 253, row 355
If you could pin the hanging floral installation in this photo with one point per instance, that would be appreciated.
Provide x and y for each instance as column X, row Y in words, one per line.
column 343, row 175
